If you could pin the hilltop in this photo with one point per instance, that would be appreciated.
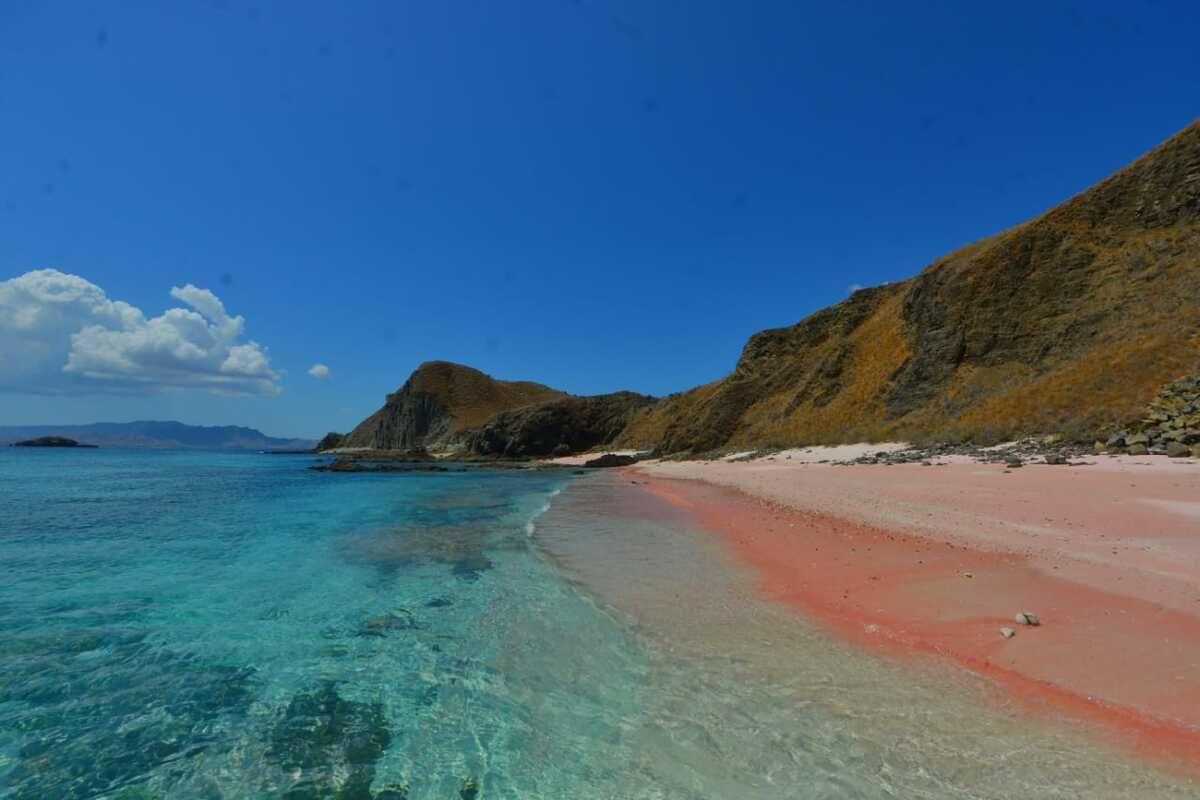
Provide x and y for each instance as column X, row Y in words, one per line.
column 439, row 400
column 1070, row 322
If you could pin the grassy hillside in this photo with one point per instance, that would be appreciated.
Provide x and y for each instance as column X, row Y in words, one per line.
column 473, row 397
column 1067, row 323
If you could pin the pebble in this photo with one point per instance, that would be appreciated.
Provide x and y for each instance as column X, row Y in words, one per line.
column 1007, row 633
column 1027, row 618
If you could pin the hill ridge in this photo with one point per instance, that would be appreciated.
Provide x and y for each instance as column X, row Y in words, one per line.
column 1069, row 321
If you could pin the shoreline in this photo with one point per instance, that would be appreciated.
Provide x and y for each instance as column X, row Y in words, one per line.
column 907, row 559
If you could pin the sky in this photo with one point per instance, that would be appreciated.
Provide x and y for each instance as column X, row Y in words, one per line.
column 269, row 214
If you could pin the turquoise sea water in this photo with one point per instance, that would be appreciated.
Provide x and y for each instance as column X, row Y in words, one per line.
column 198, row 625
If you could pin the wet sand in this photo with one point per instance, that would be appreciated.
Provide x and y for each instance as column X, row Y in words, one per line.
column 938, row 559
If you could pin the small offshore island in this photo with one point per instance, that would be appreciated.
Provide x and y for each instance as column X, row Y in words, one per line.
column 52, row 441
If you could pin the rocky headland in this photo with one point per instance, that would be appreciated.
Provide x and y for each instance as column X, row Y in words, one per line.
column 1059, row 330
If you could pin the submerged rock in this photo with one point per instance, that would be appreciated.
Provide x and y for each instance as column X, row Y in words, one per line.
column 329, row 744
column 399, row 620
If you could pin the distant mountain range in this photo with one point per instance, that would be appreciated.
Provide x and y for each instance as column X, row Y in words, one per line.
column 158, row 435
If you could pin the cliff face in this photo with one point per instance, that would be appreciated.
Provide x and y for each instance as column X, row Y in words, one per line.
column 438, row 401
column 557, row 427
column 1069, row 322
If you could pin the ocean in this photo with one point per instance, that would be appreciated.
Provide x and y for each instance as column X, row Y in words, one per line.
column 213, row 625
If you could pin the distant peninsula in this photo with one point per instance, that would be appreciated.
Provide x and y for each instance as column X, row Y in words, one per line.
column 156, row 435
column 51, row 441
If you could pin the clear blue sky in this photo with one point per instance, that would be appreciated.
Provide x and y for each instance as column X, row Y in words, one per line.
column 594, row 195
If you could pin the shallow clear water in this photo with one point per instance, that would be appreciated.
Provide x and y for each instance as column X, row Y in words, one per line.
column 197, row 625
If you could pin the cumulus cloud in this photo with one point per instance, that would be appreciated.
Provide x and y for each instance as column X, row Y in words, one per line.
column 62, row 333
column 319, row 371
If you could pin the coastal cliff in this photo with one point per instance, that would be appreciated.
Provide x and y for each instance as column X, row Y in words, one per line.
column 1070, row 322
column 438, row 401
column 558, row 427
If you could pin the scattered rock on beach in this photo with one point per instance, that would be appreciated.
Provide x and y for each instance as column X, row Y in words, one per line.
column 1028, row 618
column 610, row 460
column 1012, row 462
column 1007, row 633
column 1178, row 450
column 1056, row 459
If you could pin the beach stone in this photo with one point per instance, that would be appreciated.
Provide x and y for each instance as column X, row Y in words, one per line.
column 1196, row 451
column 1178, row 450
column 1028, row 618
column 1138, row 450
column 610, row 460
column 1116, row 440
column 1057, row 459
column 1007, row 633
column 1136, row 439
column 1012, row 462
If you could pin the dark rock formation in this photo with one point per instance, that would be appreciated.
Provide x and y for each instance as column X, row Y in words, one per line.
column 439, row 400
column 558, row 427
column 417, row 460
column 51, row 441
column 610, row 460
column 352, row 465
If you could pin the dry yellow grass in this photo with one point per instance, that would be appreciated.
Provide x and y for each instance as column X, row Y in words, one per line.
column 1068, row 323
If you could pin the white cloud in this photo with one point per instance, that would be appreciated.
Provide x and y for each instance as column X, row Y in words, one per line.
column 852, row 288
column 319, row 371
column 61, row 333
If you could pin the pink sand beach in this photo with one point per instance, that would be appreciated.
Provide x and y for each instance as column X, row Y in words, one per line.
column 939, row 559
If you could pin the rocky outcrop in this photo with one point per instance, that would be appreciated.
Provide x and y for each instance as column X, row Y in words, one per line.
column 558, row 427
column 330, row 441
column 1170, row 426
column 1067, row 323
column 609, row 460
column 439, row 401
